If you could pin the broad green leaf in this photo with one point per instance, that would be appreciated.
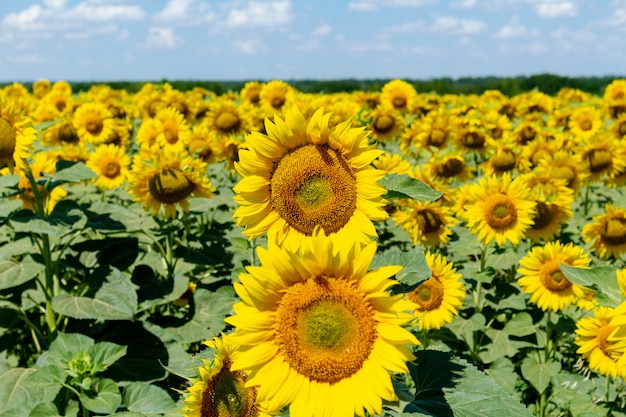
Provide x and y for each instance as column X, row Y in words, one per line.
column 46, row 382
column 8, row 184
column 602, row 279
column 70, row 171
column 48, row 409
column 449, row 386
column 105, row 398
column 503, row 372
column 415, row 269
column 104, row 354
column 499, row 347
column 7, row 208
column 13, row 273
column 14, row 394
column 115, row 300
column 465, row 328
column 26, row 221
column 404, row 186
column 66, row 346
column 539, row 374
column 146, row 398
column 520, row 325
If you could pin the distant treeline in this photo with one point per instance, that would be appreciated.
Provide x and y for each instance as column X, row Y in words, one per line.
column 510, row 86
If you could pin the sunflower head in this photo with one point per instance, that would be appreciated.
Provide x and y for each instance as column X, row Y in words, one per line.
column 16, row 136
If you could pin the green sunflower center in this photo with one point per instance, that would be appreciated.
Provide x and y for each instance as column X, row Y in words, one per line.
column 227, row 122
column 450, row 168
column 500, row 211
column 225, row 395
column 314, row 186
column 384, row 123
column 552, row 278
column 325, row 329
column 503, row 161
column 614, row 231
column 429, row 294
column 7, row 139
column 436, row 138
column 170, row 186
column 599, row 160
column 473, row 140
column 543, row 216
column 429, row 221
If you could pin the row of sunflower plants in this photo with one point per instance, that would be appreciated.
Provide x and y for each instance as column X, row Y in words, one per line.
column 267, row 251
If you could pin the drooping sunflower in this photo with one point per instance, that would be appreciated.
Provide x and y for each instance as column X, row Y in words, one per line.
column 607, row 233
column 542, row 278
column 93, row 122
column 166, row 177
column 16, row 137
column 500, row 209
column 174, row 131
column 217, row 390
column 111, row 164
column 398, row 94
column 447, row 168
column 504, row 158
column 428, row 223
column 598, row 344
column 303, row 175
column 318, row 331
column 440, row 296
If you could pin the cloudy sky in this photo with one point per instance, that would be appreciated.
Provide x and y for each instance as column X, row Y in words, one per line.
column 106, row 40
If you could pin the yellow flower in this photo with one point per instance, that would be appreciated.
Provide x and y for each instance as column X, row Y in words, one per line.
column 318, row 331
column 225, row 118
column 275, row 96
column 16, row 137
column 543, row 279
column 499, row 209
column 303, row 175
column 439, row 297
column 111, row 163
column 93, row 122
column 428, row 223
column 585, row 121
column 399, row 95
column 597, row 344
column 218, row 390
column 607, row 233
column 386, row 123
column 251, row 93
column 42, row 163
column 173, row 130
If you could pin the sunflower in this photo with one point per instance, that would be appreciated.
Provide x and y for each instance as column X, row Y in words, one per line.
column 618, row 127
column 430, row 131
column 217, row 390
column 111, row 163
column 598, row 344
column 225, row 118
column 75, row 152
column 251, row 93
column 41, row 163
column 399, row 95
column 607, row 233
column 562, row 165
column 167, row 177
column 41, row 88
column 275, row 96
column 303, row 174
column 318, row 331
column 615, row 98
column 585, row 121
column 439, row 297
column 385, row 123
column 534, row 105
column 525, row 132
column 393, row 163
column 147, row 133
column 174, row 131
column 447, row 168
column 598, row 158
column 93, row 122
column 504, row 158
column 428, row 223
column 542, row 278
column 471, row 135
column 499, row 209
column 16, row 137
column 496, row 124
column 204, row 144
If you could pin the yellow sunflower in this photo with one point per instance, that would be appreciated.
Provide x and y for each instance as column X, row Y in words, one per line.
column 433, row 130
column 93, row 122
column 16, row 137
column 174, row 131
column 607, row 233
column 470, row 135
column 615, row 98
column 598, row 344
column 41, row 88
column 393, row 163
column 111, row 163
column 499, row 209
column 275, row 96
column 217, row 390
column 204, row 144
column 562, row 165
column 585, row 121
column 303, row 174
column 385, row 123
column 251, row 93
column 41, row 163
column 440, row 296
column 399, row 95
column 225, row 118
column 448, row 168
column 542, row 278
column 318, row 331
column 428, row 223
column 618, row 127
column 598, row 158
column 147, row 133
column 504, row 158
column 162, row 177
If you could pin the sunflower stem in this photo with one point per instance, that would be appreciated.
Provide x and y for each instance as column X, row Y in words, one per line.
column 169, row 254
column 607, row 389
column 586, row 200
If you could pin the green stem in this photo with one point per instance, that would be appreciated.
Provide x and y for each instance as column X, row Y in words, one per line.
column 607, row 388
column 49, row 290
column 586, row 200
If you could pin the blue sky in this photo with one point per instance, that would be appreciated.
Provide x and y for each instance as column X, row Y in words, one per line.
column 106, row 40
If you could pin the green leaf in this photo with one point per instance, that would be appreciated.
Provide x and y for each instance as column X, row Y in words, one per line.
column 46, row 382
column 503, row 372
column 9, row 185
column 145, row 398
column 66, row 346
column 539, row 374
column 48, row 409
column 404, row 186
column 71, row 171
column 104, row 398
column 465, row 328
column 14, row 394
column 115, row 300
column 602, row 279
column 105, row 354
column 449, row 386
column 520, row 325
column 26, row 221
column 13, row 273
column 415, row 269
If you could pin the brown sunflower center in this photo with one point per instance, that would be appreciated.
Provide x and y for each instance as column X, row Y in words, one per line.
column 225, row 395
column 314, row 186
column 201, row 148
column 384, row 123
column 67, row 133
column 527, row 134
column 450, row 168
column 429, row 294
column 503, row 161
column 500, row 211
column 7, row 139
column 428, row 220
column 599, row 160
column 170, row 186
column 621, row 129
column 436, row 138
column 473, row 140
column 552, row 278
column 170, row 131
column 585, row 124
column 543, row 216
column 614, row 231
column 277, row 101
column 398, row 102
column 227, row 122
column 325, row 329
column 110, row 168
column 94, row 125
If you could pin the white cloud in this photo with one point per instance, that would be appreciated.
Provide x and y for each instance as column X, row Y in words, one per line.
column 515, row 30
column 105, row 13
column 27, row 19
column 453, row 26
column 371, row 5
column 574, row 40
column 322, row 30
column 250, row 46
column 175, row 10
column 463, row 4
column 162, row 38
column 257, row 13
column 55, row 4
column 553, row 9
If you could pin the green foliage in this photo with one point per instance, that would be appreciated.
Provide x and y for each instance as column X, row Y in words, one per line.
column 404, row 186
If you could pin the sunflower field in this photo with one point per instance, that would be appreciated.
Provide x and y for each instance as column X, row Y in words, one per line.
column 270, row 252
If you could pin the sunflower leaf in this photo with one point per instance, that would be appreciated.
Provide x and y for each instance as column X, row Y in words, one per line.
column 69, row 171
column 105, row 398
column 415, row 269
column 404, row 186
column 146, row 398
column 13, row 273
column 539, row 374
column 601, row 279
